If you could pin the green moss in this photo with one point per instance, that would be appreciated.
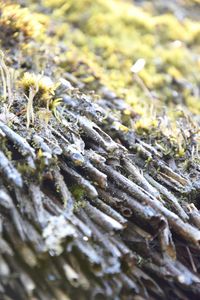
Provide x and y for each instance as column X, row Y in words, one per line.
column 193, row 103
column 109, row 36
column 78, row 192
column 42, row 87
column 98, row 42
column 19, row 25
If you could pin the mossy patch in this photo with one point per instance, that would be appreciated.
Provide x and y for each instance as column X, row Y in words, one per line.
column 19, row 25
column 95, row 43
column 109, row 36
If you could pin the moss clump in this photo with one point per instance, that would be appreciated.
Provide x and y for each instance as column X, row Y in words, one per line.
column 40, row 95
column 42, row 86
column 145, row 125
column 78, row 192
column 18, row 25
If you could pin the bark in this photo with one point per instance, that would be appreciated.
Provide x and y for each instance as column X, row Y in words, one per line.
column 88, row 219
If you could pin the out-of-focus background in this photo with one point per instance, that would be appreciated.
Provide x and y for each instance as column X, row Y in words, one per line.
column 99, row 41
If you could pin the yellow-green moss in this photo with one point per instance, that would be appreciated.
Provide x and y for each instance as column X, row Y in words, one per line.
column 106, row 37
column 100, row 41
column 19, row 24
column 42, row 86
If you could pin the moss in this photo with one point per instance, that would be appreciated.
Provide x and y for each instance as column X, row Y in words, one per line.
column 193, row 103
column 78, row 192
column 19, row 25
column 98, row 42
column 102, row 54
column 42, row 86
column 145, row 125
column 78, row 205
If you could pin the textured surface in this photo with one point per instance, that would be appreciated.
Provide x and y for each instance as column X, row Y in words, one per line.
column 98, row 213
column 90, row 208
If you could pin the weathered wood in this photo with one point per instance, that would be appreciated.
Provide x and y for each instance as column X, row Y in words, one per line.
column 89, row 209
